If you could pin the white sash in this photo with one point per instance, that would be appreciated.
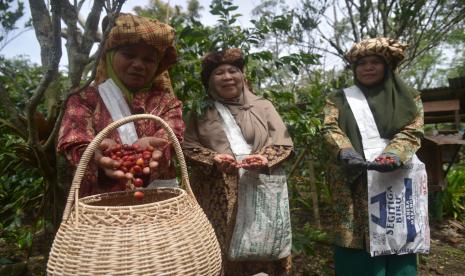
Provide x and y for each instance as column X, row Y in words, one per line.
column 117, row 106
column 263, row 229
column 398, row 200
column 239, row 146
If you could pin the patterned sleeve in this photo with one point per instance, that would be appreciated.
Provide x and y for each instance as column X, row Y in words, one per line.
column 276, row 154
column 76, row 130
column 200, row 156
column 405, row 143
column 193, row 150
column 168, row 108
column 171, row 113
column 332, row 133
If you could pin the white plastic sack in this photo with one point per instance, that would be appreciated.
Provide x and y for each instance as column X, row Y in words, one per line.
column 263, row 226
column 398, row 210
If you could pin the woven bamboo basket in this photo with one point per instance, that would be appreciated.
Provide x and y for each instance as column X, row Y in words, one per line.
column 166, row 233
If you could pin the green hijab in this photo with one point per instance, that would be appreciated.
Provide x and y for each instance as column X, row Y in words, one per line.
column 391, row 102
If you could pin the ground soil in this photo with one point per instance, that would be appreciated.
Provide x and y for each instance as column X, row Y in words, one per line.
column 447, row 255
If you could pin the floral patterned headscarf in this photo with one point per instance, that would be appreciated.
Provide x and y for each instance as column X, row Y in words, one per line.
column 391, row 50
column 132, row 29
column 212, row 60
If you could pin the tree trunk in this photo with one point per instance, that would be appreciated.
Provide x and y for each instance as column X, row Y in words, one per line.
column 314, row 194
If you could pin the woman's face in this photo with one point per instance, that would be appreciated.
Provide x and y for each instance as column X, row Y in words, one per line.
column 369, row 70
column 135, row 65
column 227, row 80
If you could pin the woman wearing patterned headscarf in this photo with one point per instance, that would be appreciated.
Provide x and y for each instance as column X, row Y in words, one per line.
column 239, row 135
column 132, row 78
column 396, row 113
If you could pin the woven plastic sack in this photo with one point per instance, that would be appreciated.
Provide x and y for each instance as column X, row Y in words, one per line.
column 263, row 224
column 398, row 210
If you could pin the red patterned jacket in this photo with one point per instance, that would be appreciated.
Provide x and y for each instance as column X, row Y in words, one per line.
column 86, row 115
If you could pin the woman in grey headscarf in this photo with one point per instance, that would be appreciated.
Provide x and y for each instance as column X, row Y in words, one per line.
column 215, row 163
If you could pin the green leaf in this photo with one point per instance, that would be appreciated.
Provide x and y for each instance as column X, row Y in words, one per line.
column 232, row 8
column 294, row 69
column 5, row 261
column 263, row 55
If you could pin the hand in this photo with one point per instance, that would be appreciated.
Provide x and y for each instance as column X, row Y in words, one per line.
column 254, row 162
column 352, row 159
column 160, row 147
column 386, row 162
column 225, row 163
column 108, row 165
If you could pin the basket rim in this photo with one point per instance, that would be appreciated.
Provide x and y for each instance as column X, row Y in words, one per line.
column 182, row 193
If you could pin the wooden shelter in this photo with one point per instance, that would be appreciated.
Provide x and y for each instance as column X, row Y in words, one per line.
column 440, row 149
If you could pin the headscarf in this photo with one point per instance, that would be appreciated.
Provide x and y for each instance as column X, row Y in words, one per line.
column 391, row 102
column 212, row 60
column 259, row 122
column 132, row 29
column 391, row 50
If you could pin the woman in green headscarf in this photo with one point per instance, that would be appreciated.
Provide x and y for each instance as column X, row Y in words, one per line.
column 396, row 114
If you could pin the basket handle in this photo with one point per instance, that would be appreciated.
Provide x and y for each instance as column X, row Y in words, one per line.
column 89, row 153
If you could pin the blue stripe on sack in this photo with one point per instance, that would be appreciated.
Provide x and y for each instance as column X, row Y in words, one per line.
column 409, row 213
column 381, row 220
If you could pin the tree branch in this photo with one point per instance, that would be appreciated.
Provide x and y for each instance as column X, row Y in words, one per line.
column 362, row 13
column 436, row 37
column 424, row 29
column 385, row 15
column 51, row 51
column 91, row 27
column 112, row 15
column 8, row 41
column 42, row 24
column 352, row 20
column 403, row 22
column 340, row 51
column 337, row 35
column 12, row 111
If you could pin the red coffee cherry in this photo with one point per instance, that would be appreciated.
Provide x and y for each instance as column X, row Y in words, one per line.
column 138, row 195
column 140, row 162
column 134, row 161
column 138, row 182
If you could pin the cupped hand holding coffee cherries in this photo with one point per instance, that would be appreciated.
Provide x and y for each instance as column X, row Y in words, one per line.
column 133, row 163
column 228, row 164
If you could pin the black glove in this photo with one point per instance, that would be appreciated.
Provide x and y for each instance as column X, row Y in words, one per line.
column 352, row 159
column 386, row 162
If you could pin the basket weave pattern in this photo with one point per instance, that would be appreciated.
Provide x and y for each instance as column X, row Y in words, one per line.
column 113, row 234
